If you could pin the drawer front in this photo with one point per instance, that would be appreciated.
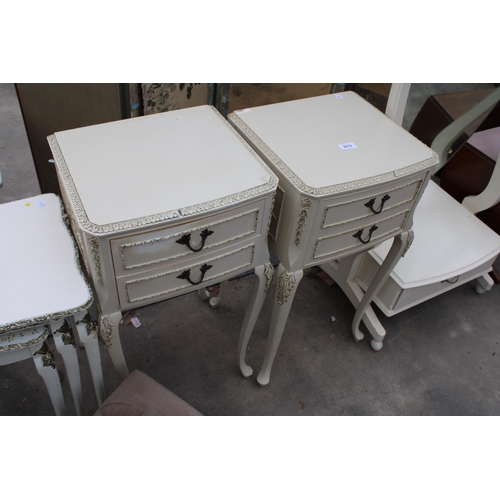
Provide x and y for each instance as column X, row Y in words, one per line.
column 353, row 239
column 143, row 250
column 167, row 281
column 395, row 197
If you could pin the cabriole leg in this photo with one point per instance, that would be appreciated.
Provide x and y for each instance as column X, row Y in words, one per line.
column 285, row 293
column 263, row 276
column 109, row 332
column 399, row 247
column 215, row 301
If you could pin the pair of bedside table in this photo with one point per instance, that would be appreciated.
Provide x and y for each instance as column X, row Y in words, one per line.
column 171, row 203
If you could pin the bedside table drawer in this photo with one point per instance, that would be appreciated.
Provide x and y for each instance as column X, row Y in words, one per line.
column 143, row 250
column 373, row 202
column 166, row 281
column 359, row 236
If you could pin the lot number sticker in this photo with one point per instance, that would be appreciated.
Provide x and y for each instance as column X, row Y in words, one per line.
column 348, row 145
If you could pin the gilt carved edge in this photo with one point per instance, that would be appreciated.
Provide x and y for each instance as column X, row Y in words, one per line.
column 306, row 205
column 47, row 318
column 21, row 345
column 82, row 217
column 268, row 275
column 409, row 241
column 94, row 250
column 106, row 331
column 336, row 188
column 286, row 282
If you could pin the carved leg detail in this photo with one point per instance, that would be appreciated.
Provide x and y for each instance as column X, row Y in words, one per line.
column 46, row 367
column 109, row 332
column 399, row 247
column 261, row 279
column 64, row 341
column 285, row 293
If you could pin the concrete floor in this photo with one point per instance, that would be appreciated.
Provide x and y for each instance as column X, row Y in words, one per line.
column 440, row 358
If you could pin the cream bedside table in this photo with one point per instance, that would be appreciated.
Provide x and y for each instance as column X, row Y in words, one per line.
column 163, row 205
column 349, row 178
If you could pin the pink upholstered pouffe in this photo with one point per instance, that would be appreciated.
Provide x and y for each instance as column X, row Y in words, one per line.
column 140, row 395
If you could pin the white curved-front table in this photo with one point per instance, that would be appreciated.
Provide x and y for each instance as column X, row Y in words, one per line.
column 43, row 291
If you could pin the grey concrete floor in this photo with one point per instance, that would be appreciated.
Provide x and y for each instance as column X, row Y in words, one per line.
column 440, row 358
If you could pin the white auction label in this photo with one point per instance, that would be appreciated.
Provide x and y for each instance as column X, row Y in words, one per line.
column 348, row 145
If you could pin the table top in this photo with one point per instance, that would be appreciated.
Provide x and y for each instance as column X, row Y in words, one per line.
column 41, row 275
column 332, row 142
column 442, row 227
column 171, row 164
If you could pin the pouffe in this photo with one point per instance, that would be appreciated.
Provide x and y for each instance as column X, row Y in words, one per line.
column 140, row 395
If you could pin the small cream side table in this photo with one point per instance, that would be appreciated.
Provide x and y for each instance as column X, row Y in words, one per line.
column 349, row 178
column 163, row 205
column 42, row 290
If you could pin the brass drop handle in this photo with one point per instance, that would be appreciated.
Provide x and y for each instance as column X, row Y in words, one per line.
column 372, row 202
column 186, row 275
column 359, row 234
column 186, row 240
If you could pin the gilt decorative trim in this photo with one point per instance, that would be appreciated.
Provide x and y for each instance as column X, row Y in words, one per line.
column 66, row 334
column 94, row 250
column 47, row 356
column 336, row 188
column 268, row 275
column 270, row 219
column 48, row 318
column 306, row 205
column 177, row 271
column 409, row 241
column 82, row 216
column 106, row 331
column 124, row 247
column 275, row 217
column 418, row 182
column 10, row 338
column 343, row 249
column 90, row 326
column 74, row 226
column 286, row 282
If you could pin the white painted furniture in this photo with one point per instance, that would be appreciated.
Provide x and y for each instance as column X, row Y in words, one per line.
column 349, row 178
column 451, row 246
column 43, row 291
column 164, row 205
